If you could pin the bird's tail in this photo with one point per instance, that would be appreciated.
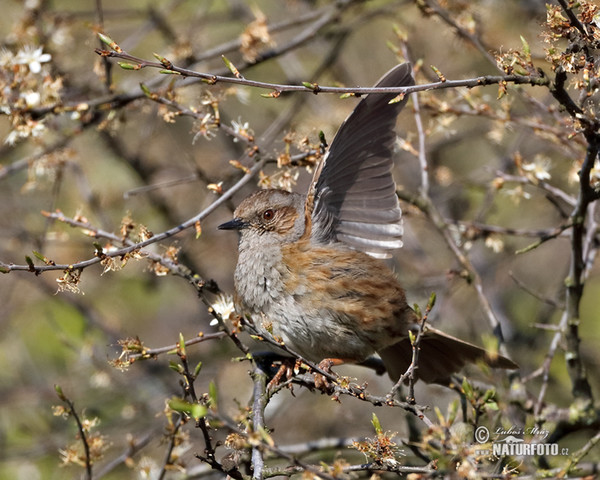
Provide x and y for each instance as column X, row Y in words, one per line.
column 440, row 356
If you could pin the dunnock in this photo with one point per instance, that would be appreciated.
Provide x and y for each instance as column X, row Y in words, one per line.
column 307, row 271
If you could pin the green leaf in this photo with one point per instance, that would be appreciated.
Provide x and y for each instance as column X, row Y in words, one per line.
column 59, row 392
column 106, row 39
column 452, row 411
column 169, row 72
column 526, row 49
column 197, row 369
column 212, row 394
column 39, row 256
column 467, row 389
column 376, row 424
column 489, row 395
column 181, row 344
column 194, row 410
column 146, row 90
column 232, row 68
column 165, row 63
column 176, row 367
column 397, row 98
column 431, row 302
column 439, row 415
column 127, row 66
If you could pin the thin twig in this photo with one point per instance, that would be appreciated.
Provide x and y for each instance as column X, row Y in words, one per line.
column 82, row 433
column 259, row 403
column 138, row 245
column 138, row 63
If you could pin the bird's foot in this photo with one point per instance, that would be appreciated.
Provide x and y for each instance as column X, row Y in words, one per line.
column 321, row 381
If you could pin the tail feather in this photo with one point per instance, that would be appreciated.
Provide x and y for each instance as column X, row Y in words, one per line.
column 440, row 356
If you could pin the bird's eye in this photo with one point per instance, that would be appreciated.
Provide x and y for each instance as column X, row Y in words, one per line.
column 268, row 214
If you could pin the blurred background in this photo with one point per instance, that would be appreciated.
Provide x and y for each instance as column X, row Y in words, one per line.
column 79, row 135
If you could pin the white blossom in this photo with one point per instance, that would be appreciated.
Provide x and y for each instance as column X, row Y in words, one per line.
column 32, row 57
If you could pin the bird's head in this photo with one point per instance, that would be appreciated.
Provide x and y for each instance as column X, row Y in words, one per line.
column 269, row 217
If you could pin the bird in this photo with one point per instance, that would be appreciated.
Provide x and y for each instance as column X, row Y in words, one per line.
column 310, row 268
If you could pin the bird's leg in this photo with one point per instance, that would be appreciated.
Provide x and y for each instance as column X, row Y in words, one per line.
column 288, row 368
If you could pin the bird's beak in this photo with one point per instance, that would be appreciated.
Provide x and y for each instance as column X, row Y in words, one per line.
column 235, row 224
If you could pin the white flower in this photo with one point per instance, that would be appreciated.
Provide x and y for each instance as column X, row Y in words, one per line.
column 30, row 129
column 241, row 129
column 538, row 168
column 223, row 306
column 32, row 99
column 33, row 58
column 495, row 243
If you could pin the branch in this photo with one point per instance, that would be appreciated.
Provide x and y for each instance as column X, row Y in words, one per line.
column 259, row 403
column 166, row 67
column 82, row 433
column 132, row 247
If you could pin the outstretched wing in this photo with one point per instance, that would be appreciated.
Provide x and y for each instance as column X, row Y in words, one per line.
column 355, row 195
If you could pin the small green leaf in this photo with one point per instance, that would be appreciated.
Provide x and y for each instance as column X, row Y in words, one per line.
column 439, row 415
column 146, row 90
column 393, row 47
column 176, row 367
column 165, row 63
column 273, row 94
column 467, row 389
column 265, row 436
column 232, row 68
column 39, row 256
column 110, row 42
column 346, row 95
column 412, row 337
column 194, row 410
column 397, row 98
column 169, row 72
column 29, row 261
column 182, row 344
column 438, row 73
column 322, row 138
column 313, row 86
column 59, row 392
column 128, row 66
column 212, row 394
column 526, row 49
column 106, row 39
column 376, row 424
column 489, row 395
column 431, row 302
column 452, row 411
column 197, row 369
